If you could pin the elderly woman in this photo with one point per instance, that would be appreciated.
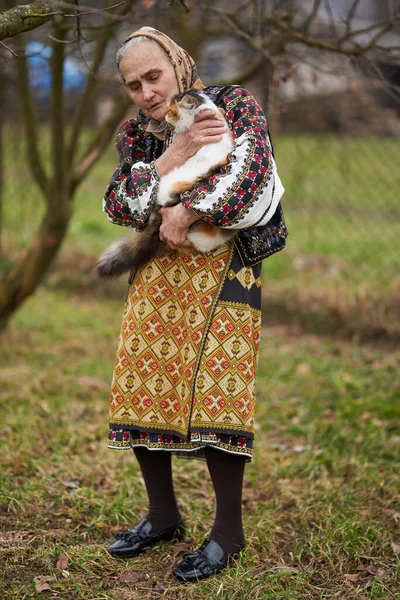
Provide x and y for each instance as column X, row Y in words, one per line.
column 185, row 368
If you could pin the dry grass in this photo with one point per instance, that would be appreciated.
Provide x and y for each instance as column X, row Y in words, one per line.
column 321, row 499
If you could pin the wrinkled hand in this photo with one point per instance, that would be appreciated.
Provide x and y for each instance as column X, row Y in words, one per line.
column 174, row 228
column 206, row 129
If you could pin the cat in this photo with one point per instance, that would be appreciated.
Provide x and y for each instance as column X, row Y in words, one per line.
column 135, row 250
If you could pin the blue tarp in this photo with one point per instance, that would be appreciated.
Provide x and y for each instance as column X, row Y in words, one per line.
column 39, row 56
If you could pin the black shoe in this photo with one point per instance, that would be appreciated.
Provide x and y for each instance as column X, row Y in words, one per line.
column 207, row 560
column 135, row 541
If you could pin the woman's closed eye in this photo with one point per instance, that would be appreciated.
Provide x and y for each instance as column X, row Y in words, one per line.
column 137, row 85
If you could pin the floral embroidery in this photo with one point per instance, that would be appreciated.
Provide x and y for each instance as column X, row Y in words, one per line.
column 123, row 439
column 225, row 199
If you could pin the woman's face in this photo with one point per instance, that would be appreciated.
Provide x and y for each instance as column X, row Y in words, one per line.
column 149, row 78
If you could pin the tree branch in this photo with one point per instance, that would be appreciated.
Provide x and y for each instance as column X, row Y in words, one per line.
column 30, row 16
column 24, row 18
column 101, row 139
column 349, row 17
column 57, row 115
column 9, row 49
column 243, row 76
column 86, row 97
column 308, row 22
column 281, row 24
column 86, row 10
column 34, row 159
column 356, row 32
column 233, row 23
column 334, row 45
column 331, row 18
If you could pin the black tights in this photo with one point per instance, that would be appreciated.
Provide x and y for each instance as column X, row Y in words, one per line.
column 226, row 471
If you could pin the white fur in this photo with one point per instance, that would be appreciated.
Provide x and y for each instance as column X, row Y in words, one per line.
column 198, row 165
column 206, row 243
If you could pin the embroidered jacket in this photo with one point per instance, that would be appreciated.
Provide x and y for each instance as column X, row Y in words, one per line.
column 244, row 194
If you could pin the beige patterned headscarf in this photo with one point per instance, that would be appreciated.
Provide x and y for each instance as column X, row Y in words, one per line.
column 182, row 63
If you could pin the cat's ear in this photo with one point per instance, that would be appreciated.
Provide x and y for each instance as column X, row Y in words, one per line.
column 197, row 85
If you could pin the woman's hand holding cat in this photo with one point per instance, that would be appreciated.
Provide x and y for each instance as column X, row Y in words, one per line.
column 206, row 129
column 176, row 221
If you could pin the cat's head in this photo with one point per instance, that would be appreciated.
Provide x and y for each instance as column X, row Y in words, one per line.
column 183, row 108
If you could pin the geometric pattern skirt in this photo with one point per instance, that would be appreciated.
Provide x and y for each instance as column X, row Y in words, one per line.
column 185, row 367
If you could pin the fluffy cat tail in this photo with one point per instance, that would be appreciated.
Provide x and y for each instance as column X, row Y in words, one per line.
column 127, row 254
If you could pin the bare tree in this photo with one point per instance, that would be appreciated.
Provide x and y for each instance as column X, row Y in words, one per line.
column 275, row 30
column 67, row 170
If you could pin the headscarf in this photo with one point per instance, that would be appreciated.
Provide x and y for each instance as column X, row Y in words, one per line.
column 182, row 63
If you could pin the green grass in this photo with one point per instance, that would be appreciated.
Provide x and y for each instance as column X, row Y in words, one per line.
column 321, row 499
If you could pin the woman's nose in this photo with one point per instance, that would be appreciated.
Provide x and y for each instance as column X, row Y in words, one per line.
column 147, row 91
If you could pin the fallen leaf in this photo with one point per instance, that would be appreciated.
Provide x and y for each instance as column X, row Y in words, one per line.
column 62, row 562
column 303, row 368
column 42, row 587
column 395, row 547
column 129, row 577
column 396, row 516
column 181, row 546
column 42, row 582
column 160, row 587
column 71, row 485
column 299, row 448
column 351, row 576
column 282, row 568
column 377, row 572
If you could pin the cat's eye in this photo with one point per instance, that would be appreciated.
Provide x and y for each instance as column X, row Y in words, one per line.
column 187, row 103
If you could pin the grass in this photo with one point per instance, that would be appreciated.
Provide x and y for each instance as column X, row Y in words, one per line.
column 322, row 497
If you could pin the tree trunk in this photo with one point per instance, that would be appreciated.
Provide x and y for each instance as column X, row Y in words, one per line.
column 2, row 154
column 31, row 267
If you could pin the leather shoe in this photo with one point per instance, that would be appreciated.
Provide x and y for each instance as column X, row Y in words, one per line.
column 135, row 541
column 205, row 561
